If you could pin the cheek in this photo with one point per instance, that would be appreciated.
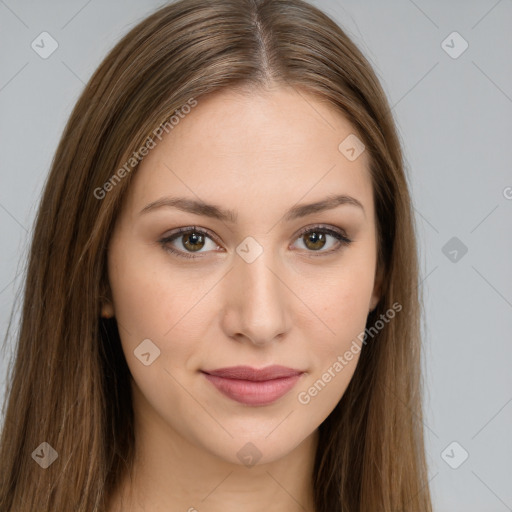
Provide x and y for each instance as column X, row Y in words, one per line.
column 341, row 302
column 153, row 301
column 343, row 311
column 137, row 299
column 149, row 297
column 149, row 303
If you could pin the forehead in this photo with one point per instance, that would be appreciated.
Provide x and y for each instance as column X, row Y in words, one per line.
column 243, row 148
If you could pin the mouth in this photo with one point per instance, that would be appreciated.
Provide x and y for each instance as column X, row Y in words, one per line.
column 251, row 386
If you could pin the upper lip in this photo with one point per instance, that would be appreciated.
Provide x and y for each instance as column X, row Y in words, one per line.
column 254, row 374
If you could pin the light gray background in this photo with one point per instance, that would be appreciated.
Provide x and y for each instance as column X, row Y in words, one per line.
column 455, row 121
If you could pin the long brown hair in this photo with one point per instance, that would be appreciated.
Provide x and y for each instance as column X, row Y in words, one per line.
column 69, row 384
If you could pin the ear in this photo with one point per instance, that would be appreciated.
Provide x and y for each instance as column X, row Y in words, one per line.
column 107, row 306
column 377, row 288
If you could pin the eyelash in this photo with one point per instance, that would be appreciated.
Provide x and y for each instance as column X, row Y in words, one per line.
column 342, row 239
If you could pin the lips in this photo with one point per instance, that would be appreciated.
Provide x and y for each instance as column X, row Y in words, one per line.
column 252, row 386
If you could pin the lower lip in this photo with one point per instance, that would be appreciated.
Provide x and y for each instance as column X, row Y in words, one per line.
column 253, row 392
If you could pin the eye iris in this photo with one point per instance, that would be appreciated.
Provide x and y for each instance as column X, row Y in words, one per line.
column 192, row 240
column 317, row 240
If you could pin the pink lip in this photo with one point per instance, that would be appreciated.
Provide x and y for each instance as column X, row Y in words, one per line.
column 253, row 386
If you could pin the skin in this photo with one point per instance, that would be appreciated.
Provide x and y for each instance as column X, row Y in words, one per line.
column 259, row 154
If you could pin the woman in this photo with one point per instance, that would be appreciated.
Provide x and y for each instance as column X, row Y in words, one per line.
column 221, row 308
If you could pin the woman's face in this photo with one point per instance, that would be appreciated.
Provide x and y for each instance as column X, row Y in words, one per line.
column 245, row 286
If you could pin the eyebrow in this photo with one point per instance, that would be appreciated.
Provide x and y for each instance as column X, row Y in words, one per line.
column 210, row 210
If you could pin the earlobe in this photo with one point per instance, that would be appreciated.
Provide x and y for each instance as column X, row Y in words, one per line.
column 107, row 310
column 105, row 299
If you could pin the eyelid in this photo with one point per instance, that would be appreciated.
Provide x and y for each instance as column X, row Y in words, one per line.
column 324, row 227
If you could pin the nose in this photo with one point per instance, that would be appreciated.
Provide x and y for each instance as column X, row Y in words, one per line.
column 257, row 301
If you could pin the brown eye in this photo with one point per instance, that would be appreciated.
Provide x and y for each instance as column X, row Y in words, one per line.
column 316, row 239
column 193, row 240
